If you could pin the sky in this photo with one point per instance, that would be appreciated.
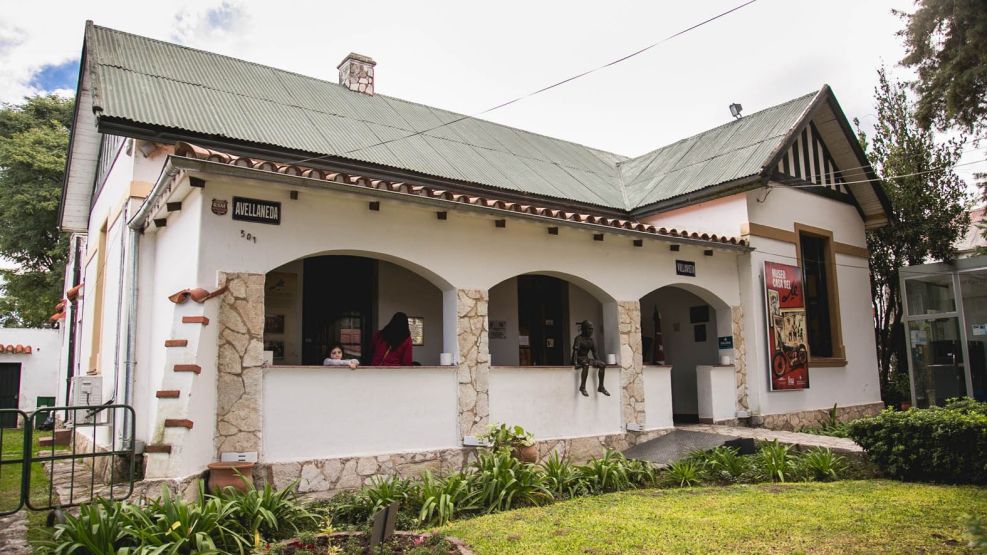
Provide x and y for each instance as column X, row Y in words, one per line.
column 470, row 56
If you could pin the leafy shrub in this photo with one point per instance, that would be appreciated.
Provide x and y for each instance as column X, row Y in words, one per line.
column 724, row 464
column 437, row 500
column 820, row 464
column 966, row 405
column 101, row 527
column 563, row 478
column 831, row 427
column 608, row 473
column 502, row 436
column 685, row 473
column 500, row 482
column 929, row 445
column 977, row 529
column 268, row 513
column 641, row 473
column 774, row 461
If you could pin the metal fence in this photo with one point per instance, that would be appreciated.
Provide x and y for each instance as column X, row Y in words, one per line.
column 83, row 453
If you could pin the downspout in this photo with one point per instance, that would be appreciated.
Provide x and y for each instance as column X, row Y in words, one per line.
column 129, row 362
column 120, row 284
column 76, row 276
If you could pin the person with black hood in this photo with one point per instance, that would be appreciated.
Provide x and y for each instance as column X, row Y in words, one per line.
column 392, row 345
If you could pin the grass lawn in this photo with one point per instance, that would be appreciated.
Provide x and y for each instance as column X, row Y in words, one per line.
column 10, row 480
column 870, row 516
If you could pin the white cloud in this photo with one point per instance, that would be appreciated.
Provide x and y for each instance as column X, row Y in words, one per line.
column 222, row 27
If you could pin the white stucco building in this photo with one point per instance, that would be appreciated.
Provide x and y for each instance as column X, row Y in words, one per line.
column 29, row 368
column 314, row 210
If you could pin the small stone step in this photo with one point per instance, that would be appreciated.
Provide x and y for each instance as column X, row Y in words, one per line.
column 188, row 368
column 176, row 342
column 168, row 394
column 158, row 448
column 195, row 320
column 60, row 437
column 178, row 423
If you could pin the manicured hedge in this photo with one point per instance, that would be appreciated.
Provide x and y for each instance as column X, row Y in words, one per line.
column 947, row 445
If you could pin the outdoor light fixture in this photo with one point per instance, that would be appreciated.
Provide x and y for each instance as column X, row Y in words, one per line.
column 735, row 110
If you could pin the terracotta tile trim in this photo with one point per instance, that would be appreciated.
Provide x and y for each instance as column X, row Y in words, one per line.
column 176, row 342
column 195, row 320
column 178, row 423
column 168, row 394
column 188, row 150
column 158, row 448
column 188, row 368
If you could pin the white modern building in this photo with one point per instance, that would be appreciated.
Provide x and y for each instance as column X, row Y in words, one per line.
column 29, row 370
column 295, row 213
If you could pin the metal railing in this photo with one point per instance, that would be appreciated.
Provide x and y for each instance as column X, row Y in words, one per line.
column 89, row 454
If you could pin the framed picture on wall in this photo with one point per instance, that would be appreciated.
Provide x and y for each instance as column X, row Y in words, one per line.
column 417, row 326
column 698, row 314
column 274, row 323
column 276, row 347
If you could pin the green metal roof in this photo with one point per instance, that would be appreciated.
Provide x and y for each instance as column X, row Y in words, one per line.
column 149, row 82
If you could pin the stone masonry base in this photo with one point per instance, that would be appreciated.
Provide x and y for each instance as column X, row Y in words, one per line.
column 327, row 476
column 794, row 421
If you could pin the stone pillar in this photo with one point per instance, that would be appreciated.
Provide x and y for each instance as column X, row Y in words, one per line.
column 474, row 361
column 739, row 355
column 631, row 362
column 240, row 380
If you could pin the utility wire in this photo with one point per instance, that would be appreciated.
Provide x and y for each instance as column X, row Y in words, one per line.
column 798, row 182
column 547, row 88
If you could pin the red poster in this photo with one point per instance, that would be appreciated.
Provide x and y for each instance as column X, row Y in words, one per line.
column 788, row 352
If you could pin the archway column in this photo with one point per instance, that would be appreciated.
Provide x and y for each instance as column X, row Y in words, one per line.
column 739, row 356
column 473, row 361
column 631, row 363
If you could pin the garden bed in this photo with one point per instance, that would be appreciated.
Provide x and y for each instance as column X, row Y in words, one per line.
column 358, row 543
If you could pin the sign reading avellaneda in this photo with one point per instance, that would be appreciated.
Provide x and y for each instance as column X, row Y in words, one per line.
column 256, row 210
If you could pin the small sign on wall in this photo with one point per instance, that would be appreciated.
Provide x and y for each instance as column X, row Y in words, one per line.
column 498, row 329
column 256, row 210
column 725, row 342
column 685, row 268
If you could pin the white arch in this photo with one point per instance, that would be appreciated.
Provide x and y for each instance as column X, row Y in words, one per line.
column 435, row 279
column 596, row 291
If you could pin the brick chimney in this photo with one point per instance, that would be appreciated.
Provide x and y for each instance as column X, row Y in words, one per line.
column 356, row 72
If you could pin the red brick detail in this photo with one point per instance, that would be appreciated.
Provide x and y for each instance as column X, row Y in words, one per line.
column 178, row 423
column 176, row 342
column 158, row 448
column 188, row 368
column 195, row 320
column 168, row 394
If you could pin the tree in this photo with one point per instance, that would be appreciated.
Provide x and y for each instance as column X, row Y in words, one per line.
column 33, row 145
column 946, row 43
column 928, row 209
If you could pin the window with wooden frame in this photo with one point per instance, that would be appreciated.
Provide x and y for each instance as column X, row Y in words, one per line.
column 817, row 259
column 99, row 258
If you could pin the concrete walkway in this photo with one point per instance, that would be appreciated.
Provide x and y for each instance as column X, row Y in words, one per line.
column 13, row 534
column 685, row 439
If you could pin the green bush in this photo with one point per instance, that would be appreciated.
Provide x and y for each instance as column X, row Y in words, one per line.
column 946, row 445
column 503, row 436
column 499, row 482
column 774, row 461
column 820, row 464
column 685, row 473
column 437, row 500
column 608, row 473
column 724, row 464
column 563, row 478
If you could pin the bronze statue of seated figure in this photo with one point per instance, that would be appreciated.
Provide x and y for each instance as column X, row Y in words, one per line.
column 581, row 359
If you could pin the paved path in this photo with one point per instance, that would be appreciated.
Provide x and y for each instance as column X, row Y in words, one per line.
column 13, row 534
column 839, row 444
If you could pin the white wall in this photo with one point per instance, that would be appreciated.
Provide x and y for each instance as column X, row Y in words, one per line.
column 39, row 370
column 853, row 384
column 400, row 290
column 546, row 401
column 682, row 352
column 722, row 216
column 658, row 396
column 312, row 413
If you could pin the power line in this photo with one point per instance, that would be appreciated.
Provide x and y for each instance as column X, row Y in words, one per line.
column 798, row 181
column 546, row 88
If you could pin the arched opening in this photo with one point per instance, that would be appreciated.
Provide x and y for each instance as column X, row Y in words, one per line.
column 680, row 327
column 315, row 302
column 534, row 319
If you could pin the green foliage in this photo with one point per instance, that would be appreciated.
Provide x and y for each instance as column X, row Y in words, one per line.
column 724, row 464
column 33, row 144
column 685, row 473
column 775, row 462
column 832, row 427
column 641, row 474
column 503, row 436
column 499, row 482
column 563, row 478
column 230, row 523
column 440, row 499
column 966, row 405
column 929, row 445
column 820, row 464
column 928, row 215
column 608, row 473
column 977, row 528
column 946, row 44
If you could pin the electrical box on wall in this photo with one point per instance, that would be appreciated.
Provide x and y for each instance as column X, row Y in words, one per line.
column 87, row 391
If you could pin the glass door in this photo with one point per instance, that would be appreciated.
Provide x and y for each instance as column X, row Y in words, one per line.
column 938, row 368
column 973, row 288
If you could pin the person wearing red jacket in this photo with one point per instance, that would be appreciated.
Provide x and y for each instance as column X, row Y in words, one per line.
column 391, row 346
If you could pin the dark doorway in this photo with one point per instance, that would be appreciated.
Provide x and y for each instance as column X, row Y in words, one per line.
column 339, row 299
column 10, row 389
column 543, row 316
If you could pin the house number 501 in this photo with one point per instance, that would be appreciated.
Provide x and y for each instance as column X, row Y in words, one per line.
column 248, row 236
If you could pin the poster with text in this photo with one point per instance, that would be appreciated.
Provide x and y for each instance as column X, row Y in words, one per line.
column 788, row 353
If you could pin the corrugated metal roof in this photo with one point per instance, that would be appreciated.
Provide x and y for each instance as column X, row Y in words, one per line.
column 156, row 83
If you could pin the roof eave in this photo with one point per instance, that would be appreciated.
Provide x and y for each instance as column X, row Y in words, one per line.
column 83, row 59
